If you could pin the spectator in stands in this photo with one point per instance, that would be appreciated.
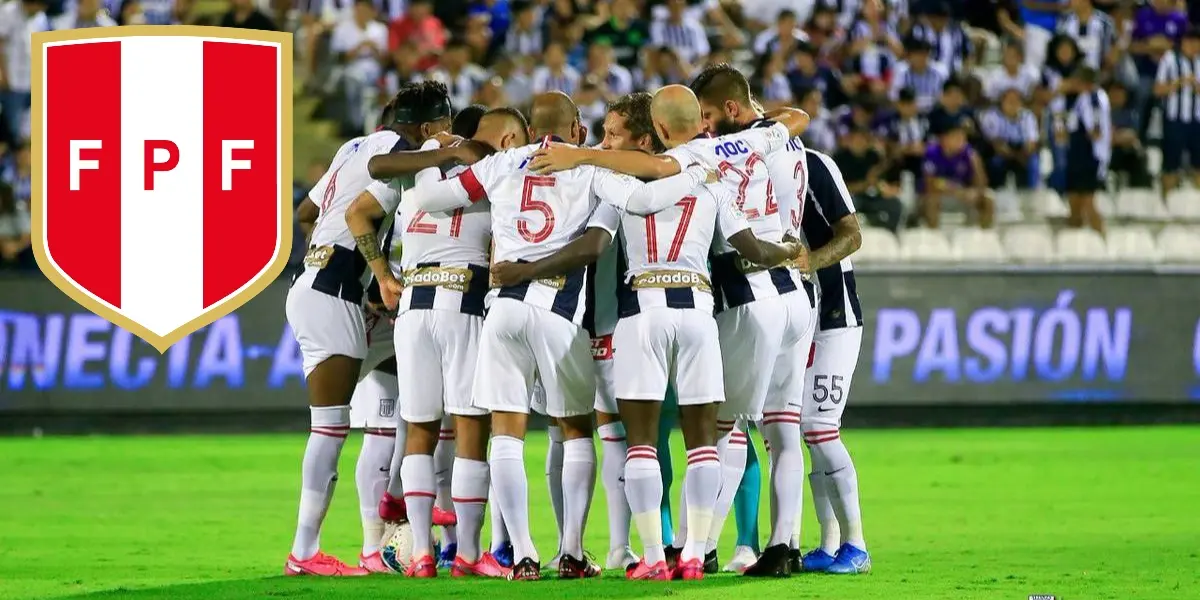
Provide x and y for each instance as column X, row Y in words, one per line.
column 860, row 113
column 770, row 84
column 1129, row 156
column 823, row 32
column 863, row 167
column 420, row 27
column 461, row 76
column 809, row 73
column 1095, row 32
column 1064, row 58
column 952, row 109
column 85, row 14
column 821, row 134
column 918, row 73
column 19, row 19
column 491, row 93
column 1158, row 26
column 954, row 172
column 555, row 74
column 1011, row 74
column 518, row 86
column 874, row 46
column 1177, row 87
column 624, row 30
column 905, row 134
column 682, row 33
column 1041, row 21
column 401, row 69
column 1085, row 120
column 243, row 14
column 592, row 108
column 952, row 50
column 14, row 231
column 359, row 42
column 1010, row 146
column 614, row 80
column 493, row 17
column 477, row 37
column 131, row 13
column 525, row 37
column 782, row 38
column 662, row 67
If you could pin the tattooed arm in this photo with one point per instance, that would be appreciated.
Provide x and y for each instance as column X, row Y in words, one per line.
column 847, row 239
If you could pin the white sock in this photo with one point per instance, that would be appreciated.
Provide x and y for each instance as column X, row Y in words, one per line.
column 419, row 494
column 787, row 474
column 330, row 424
column 499, row 531
column 732, row 451
column 470, row 491
column 443, row 470
column 681, row 528
column 644, row 490
column 579, row 483
column 843, row 479
column 371, row 478
column 701, row 484
column 831, row 532
column 612, row 473
column 512, row 490
column 554, row 472
column 395, row 486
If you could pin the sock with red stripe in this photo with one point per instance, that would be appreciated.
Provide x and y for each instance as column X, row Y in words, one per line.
column 732, row 451
column 701, row 485
column 469, row 491
column 420, row 490
column 318, row 478
column 512, row 491
column 579, row 483
column 554, row 473
column 371, row 479
column 443, row 470
column 840, row 480
column 782, row 430
column 612, row 442
column 644, row 491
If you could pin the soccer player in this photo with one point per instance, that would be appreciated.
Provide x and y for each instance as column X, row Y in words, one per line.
column 831, row 229
column 443, row 263
column 782, row 315
column 325, row 310
column 533, row 330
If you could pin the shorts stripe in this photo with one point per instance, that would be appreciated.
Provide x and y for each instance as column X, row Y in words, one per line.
column 331, row 431
column 819, row 441
column 421, row 494
column 380, row 431
column 468, row 500
column 612, row 439
column 820, row 432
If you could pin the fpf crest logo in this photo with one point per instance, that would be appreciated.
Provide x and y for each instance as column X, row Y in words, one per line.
column 162, row 171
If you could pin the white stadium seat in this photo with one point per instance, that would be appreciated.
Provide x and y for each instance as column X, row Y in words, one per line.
column 1047, row 203
column 1184, row 204
column 1029, row 243
column 1131, row 244
column 978, row 245
column 926, row 245
column 1179, row 244
column 1104, row 204
column 1142, row 205
column 1080, row 245
column 878, row 245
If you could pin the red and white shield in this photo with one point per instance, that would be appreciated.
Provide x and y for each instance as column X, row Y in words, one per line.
column 162, row 171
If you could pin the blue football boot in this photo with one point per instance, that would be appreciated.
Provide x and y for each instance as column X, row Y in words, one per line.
column 816, row 561
column 446, row 556
column 850, row 561
column 504, row 554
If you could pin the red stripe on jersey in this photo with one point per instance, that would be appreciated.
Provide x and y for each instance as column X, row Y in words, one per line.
column 240, row 224
column 88, row 250
column 812, row 355
column 651, row 239
column 475, row 191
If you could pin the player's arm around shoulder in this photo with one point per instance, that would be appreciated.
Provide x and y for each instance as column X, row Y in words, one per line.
column 795, row 120
column 366, row 210
column 561, row 157
column 646, row 198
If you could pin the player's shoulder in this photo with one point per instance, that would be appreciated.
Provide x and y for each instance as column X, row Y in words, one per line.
column 385, row 140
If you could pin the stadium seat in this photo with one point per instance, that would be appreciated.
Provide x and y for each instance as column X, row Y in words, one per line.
column 1154, row 159
column 978, row 245
column 1132, row 244
column 1105, row 204
column 1179, row 244
column 1141, row 205
column 1047, row 203
column 1080, row 246
column 925, row 245
column 878, row 246
column 1184, row 205
column 1029, row 243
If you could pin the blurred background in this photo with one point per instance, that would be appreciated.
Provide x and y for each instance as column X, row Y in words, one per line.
column 1012, row 286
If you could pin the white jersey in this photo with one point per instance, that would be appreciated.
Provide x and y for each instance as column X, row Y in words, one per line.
column 442, row 257
column 332, row 264
column 744, row 160
column 667, row 252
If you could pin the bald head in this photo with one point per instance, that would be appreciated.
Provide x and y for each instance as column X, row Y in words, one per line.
column 554, row 113
column 676, row 114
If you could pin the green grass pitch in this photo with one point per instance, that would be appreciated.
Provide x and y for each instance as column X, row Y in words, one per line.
column 949, row 514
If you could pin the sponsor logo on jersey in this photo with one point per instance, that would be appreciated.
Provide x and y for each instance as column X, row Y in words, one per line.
column 602, row 348
column 451, row 278
column 557, row 283
column 671, row 279
column 318, row 257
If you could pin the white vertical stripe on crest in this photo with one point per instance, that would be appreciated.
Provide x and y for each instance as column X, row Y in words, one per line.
column 162, row 241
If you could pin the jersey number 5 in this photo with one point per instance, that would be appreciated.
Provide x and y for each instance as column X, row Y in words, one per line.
column 529, row 204
column 417, row 226
column 688, row 205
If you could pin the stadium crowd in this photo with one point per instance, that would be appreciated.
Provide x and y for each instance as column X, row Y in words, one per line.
column 886, row 81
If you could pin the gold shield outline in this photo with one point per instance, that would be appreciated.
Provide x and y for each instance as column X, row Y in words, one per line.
column 37, row 203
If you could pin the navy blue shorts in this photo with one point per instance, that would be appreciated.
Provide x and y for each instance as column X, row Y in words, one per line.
column 1179, row 139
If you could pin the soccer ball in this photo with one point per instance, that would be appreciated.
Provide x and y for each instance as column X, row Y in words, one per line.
column 397, row 547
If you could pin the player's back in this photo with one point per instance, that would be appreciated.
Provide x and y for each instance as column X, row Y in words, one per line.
column 346, row 178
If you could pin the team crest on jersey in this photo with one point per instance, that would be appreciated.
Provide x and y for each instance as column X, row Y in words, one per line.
column 162, row 160
column 387, row 408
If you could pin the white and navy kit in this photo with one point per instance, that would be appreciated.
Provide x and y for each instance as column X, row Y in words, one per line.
column 666, row 332
column 1181, row 112
column 534, row 330
column 1096, row 36
column 442, row 259
column 951, row 45
column 834, row 354
column 601, row 321
column 325, row 302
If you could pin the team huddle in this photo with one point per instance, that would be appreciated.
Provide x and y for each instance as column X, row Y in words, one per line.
column 464, row 272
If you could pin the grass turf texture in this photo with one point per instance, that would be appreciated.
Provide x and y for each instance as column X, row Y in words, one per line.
column 953, row 514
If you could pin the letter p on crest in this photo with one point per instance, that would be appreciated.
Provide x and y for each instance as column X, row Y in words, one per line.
column 162, row 168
